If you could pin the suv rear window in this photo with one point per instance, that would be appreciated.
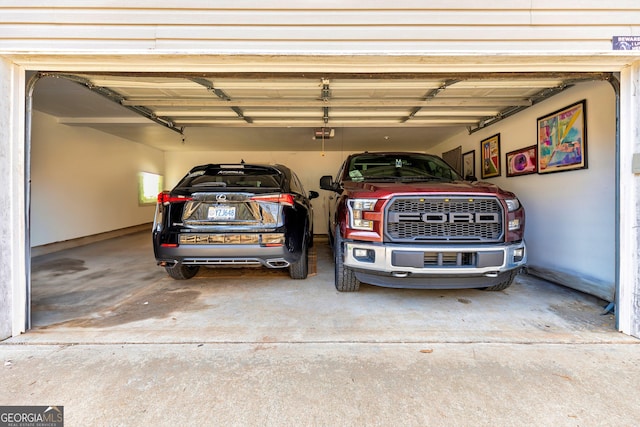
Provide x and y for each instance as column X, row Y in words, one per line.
column 233, row 176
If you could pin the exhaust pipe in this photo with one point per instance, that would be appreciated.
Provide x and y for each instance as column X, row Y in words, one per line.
column 277, row 263
column 167, row 263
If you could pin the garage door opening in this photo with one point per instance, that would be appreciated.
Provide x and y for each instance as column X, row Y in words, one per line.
column 93, row 132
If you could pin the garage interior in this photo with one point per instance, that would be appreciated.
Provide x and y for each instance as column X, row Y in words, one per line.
column 93, row 132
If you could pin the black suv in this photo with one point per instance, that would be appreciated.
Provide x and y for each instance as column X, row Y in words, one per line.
column 234, row 215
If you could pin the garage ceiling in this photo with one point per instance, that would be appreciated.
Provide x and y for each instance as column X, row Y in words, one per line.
column 256, row 111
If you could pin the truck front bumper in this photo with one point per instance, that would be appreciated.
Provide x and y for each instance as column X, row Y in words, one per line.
column 433, row 266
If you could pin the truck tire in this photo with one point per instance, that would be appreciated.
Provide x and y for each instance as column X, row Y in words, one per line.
column 300, row 269
column 331, row 238
column 507, row 280
column 345, row 280
column 182, row 272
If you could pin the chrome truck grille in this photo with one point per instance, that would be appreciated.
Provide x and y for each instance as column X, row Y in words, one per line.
column 444, row 219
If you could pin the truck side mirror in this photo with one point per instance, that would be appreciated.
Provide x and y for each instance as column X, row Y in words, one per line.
column 326, row 183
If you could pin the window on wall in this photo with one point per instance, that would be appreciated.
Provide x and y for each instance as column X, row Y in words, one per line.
column 149, row 185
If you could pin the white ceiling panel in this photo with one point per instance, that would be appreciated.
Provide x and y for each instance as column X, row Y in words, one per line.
column 280, row 112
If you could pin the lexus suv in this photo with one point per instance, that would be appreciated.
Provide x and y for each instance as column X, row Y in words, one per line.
column 234, row 215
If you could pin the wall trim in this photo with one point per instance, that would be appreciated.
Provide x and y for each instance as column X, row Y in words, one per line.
column 86, row 240
column 587, row 285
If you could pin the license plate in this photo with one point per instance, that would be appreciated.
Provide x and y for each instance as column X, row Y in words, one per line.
column 221, row 212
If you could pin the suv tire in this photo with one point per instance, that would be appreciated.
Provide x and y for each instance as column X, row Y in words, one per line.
column 300, row 269
column 182, row 272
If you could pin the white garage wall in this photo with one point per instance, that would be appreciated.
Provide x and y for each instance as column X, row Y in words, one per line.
column 570, row 222
column 85, row 182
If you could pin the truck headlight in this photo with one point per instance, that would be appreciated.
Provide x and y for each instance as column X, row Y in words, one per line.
column 513, row 204
column 357, row 209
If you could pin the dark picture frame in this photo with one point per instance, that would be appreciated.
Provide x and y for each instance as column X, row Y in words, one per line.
column 562, row 139
column 454, row 158
column 469, row 164
column 490, row 156
column 522, row 162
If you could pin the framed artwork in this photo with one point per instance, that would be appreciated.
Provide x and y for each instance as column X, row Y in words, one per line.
column 469, row 164
column 522, row 161
column 490, row 156
column 562, row 139
column 453, row 157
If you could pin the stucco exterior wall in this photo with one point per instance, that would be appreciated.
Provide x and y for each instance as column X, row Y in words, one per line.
column 13, row 295
column 628, row 299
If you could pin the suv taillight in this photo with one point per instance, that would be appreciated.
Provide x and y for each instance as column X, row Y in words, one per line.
column 283, row 199
column 166, row 197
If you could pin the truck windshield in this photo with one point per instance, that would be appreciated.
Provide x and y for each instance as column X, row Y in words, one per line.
column 413, row 167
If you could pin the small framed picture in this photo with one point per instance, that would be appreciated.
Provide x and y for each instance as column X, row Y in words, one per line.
column 490, row 156
column 469, row 164
column 522, row 161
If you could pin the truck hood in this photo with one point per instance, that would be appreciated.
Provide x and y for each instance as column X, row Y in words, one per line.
column 382, row 189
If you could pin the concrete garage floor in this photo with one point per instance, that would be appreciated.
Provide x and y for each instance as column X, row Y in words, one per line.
column 117, row 342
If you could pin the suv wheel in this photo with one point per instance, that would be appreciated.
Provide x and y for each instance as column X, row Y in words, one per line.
column 182, row 272
column 345, row 280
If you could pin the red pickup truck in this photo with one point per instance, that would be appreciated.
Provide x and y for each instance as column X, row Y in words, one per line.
column 408, row 220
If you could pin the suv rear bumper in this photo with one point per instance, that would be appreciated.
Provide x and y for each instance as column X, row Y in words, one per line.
column 461, row 266
column 225, row 255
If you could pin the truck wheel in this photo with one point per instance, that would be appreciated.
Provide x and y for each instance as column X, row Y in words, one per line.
column 345, row 280
column 507, row 280
column 300, row 268
column 182, row 272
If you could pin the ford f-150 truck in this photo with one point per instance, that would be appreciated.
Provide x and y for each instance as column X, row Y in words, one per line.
column 408, row 220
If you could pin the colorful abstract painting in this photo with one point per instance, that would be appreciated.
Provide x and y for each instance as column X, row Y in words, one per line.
column 562, row 139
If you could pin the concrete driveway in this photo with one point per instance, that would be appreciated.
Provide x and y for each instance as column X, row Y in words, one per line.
column 117, row 342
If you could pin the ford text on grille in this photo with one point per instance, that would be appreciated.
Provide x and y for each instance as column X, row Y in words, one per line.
column 437, row 218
